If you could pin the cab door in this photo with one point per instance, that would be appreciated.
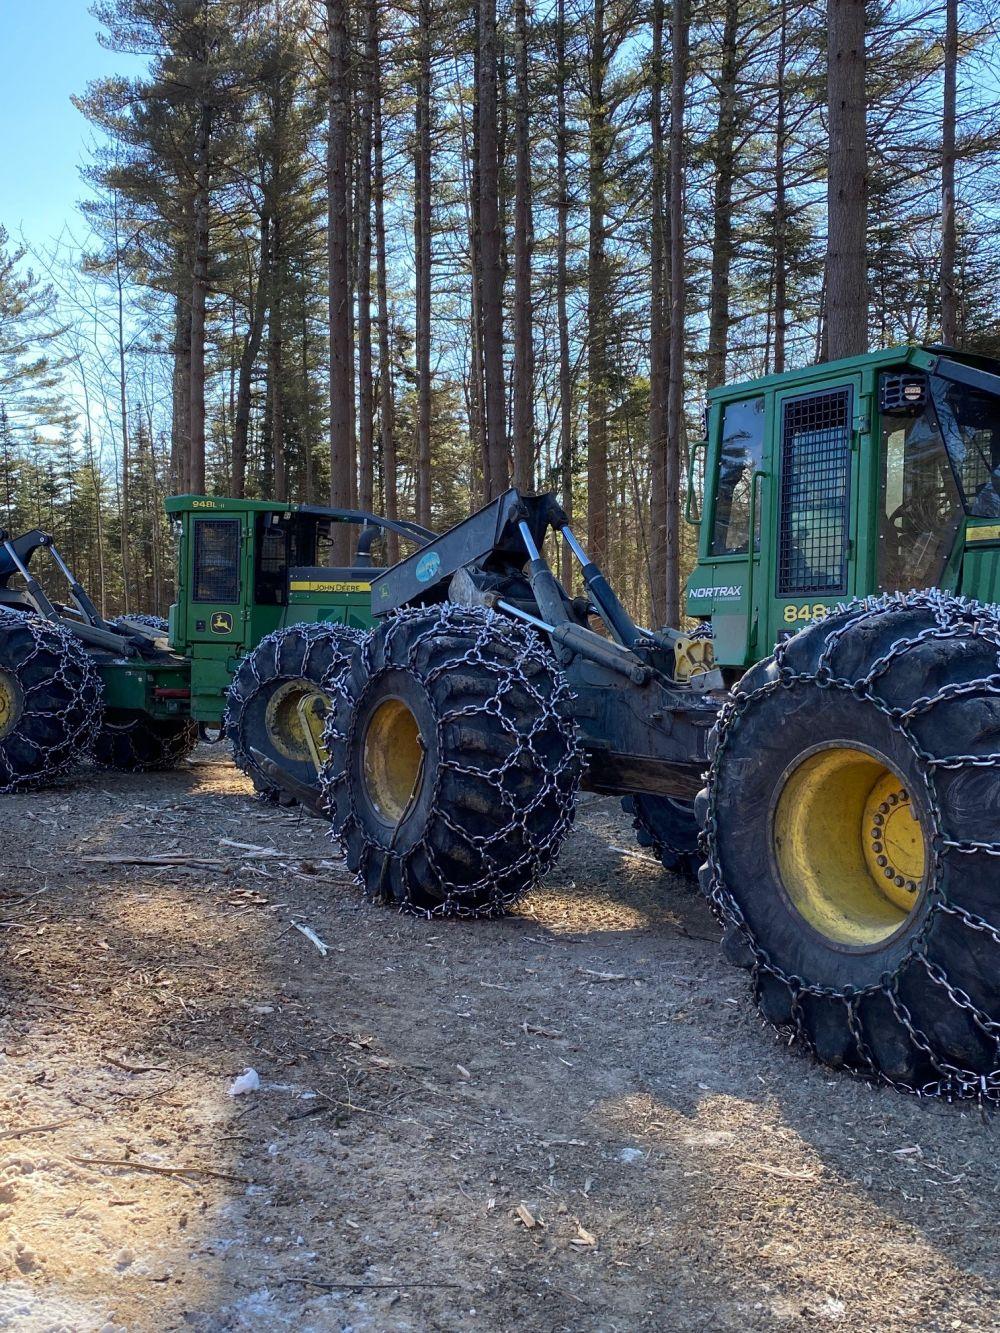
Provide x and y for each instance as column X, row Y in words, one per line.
column 219, row 574
column 815, row 483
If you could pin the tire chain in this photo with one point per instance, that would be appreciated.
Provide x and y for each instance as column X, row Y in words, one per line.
column 174, row 744
column 141, row 618
column 560, row 782
column 955, row 617
column 313, row 632
column 686, row 859
column 86, row 700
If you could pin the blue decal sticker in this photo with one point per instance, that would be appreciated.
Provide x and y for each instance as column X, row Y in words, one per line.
column 427, row 566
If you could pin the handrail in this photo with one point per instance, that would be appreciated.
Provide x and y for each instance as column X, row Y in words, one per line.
column 689, row 502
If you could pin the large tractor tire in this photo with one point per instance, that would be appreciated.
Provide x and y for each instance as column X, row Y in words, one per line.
column 262, row 708
column 668, row 828
column 134, row 742
column 50, row 701
column 852, row 824
column 453, row 762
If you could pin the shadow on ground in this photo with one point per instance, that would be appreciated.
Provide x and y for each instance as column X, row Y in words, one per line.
column 569, row 1119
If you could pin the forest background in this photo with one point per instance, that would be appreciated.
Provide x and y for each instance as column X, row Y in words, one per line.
column 398, row 255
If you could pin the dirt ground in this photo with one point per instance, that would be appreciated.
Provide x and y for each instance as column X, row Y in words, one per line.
column 570, row 1119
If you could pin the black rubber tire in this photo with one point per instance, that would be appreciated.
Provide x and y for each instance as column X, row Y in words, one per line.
column 134, row 742
column 311, row 651
column 500, row 770
column 668, row 829
column 55, row 703
column 922, row 1008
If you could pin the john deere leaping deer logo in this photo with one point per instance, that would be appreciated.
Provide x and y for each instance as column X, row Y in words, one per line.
column 222, row 622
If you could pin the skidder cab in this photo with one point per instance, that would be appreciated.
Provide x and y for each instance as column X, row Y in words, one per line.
column 878, row 474
column 271, row 598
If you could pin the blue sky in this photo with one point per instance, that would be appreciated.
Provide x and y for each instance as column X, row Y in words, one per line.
column 50, row 51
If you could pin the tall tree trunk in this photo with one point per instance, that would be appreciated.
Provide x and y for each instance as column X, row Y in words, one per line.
column 523, row 331
column 781, row 201
column 366, row 381
column 491, row 273
column 126, row 510
column 248, row 359
column 678, row 304
column 722, row 244
column 657, row 336
column 562, row 314
column 275, row 365
column 477, row 392
column 309, row 467
column 352, row 272
column 422, row 253
column 847, row 194
column 180, row 430
column 387, row 403
column 597, row 298
column 949, row 303
column 338, row 259
column 199, row 299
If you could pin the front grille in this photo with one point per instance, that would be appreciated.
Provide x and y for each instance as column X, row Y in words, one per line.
column 217, row 560
column 815, row 494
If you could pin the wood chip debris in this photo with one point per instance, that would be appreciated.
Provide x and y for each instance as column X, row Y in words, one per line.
column 584, row 1239
column 635, row 856
column 531, row 1031
column 782, row 1172
column 250, row 847
column 527, row 1217
column 312, row 937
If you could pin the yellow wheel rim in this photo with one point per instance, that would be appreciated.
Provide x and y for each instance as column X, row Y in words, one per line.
column 849, row 845
column 10, row 708
column 393, row 759
column 283, row 719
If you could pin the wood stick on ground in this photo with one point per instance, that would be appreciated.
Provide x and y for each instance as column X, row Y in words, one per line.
column 36, row 1129
column 134, row 1069
column 367, row 1286
column 161, row 1170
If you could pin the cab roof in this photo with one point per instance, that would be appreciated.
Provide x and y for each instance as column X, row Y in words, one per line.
column 923, row 357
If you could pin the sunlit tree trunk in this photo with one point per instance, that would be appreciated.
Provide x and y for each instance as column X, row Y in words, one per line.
column 491, row 272
column 338, row 259
column 678, row 303
column 949, row 303
column 523, row 330
column 598, row 296
column 847, row 193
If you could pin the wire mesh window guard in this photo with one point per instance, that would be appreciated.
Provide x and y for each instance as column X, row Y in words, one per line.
column 815, row 494
column 217, row 560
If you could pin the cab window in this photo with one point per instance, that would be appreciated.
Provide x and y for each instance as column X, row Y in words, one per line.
column 970, row 420
column 920, row 503
column 740, row 454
